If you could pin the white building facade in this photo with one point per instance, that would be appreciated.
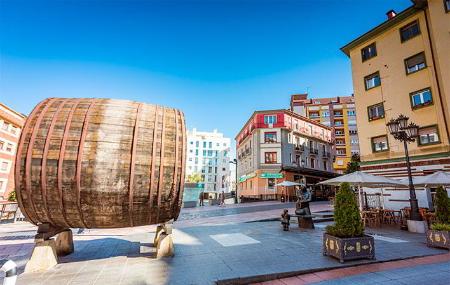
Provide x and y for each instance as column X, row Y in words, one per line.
column 208, row 155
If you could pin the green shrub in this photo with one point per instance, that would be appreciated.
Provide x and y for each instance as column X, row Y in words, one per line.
column 440, row 227
column 346, row 215
column 442, row 206
column 12, row 196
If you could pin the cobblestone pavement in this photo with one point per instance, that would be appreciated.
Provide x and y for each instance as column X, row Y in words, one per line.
column 424, row 270
column 207, row 249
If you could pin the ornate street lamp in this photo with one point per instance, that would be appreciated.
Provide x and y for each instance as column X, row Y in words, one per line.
column 401, row 131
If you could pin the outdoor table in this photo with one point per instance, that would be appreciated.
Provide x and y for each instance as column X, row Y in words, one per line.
column 391, row 216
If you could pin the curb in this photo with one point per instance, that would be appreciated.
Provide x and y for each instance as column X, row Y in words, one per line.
column 281, row 275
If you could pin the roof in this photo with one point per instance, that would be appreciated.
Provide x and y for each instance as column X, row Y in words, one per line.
column 286, row 111
column 302, row 98
column 381, row 28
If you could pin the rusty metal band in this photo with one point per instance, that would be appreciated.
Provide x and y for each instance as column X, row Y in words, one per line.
column 30, row 154
column 161, row 163
column 175, row 184
column 183, row 158
column 80, row 157
column 132, row 162
column 152, row 174
column 175, row 173
column 44, row 159
column 18, row 164
column 62, row 151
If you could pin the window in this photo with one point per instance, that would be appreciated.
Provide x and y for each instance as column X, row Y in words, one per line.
column 421, row 98
column 415, row 63
column 5, row 126
column 1, row 186
column 4, row 166
column 13, row 130
column 270, row 137
column 379, row 143
column 2, row 143
column 353, row 132
column 204, row 152
column 313, row 163
column 428, row 135
column 210, row 144
column 271, row 183
column 192, row 142
column 375, row 112
column 270, row 119
column 351, row 113
column 325, row 114
column 409, row 31
column 270, row 157
column 373, row 80
column 447, row 5
column 325, row 165
column 368, row 52
column 197, row 144
column 204, row 144
column 210, row 153
column 196, row 152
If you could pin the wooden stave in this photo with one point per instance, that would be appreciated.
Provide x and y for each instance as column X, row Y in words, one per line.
column 121, row 215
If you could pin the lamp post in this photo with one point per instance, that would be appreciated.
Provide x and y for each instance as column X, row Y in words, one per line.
column 406, row 133
column 234, row 161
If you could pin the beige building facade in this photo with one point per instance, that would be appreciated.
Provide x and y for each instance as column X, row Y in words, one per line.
column 338, row 113
column 402, row 66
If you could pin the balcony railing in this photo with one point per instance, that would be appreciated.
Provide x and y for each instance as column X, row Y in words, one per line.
column 299, row 148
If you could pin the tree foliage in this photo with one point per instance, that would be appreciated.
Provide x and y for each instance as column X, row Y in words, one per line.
column 12, row 196
column 346, row 215
column 195, row 178
column 442, row 206
column 353, row 165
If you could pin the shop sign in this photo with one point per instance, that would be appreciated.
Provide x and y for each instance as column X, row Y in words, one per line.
column 245, row 177
column 271, row 175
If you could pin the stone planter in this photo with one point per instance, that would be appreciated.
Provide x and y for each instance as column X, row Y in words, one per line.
column 440, row 239
column 349, row 248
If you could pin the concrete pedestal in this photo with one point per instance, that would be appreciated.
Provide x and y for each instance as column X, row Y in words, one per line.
column 64, row 243
column 43, row 257
column 417, row 226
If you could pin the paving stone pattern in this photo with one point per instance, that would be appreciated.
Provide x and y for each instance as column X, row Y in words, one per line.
column 199, row 259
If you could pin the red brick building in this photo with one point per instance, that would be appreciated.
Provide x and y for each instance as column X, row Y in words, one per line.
column 11, row 124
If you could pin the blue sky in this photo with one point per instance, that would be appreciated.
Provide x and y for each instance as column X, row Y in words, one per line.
column 217, row 60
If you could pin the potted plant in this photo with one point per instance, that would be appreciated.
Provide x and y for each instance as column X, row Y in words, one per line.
column 439, row 234
column 345, row 240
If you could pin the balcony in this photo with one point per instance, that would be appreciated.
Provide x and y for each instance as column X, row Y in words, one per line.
column 314, row 151
column 339, row 134
column 326, row 154
column 338, row 115
column 299, row 148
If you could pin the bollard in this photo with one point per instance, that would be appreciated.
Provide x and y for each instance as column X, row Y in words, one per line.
column 10, row 272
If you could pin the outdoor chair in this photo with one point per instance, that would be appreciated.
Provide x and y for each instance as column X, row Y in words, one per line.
column 8, row 211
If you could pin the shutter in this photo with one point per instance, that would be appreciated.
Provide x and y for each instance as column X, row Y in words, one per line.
column 416, row 60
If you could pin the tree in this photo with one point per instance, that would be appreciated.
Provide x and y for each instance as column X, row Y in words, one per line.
column 346, row 215
column 353, row 165
column 12, row 196
column 442, row 206
column 194, row 178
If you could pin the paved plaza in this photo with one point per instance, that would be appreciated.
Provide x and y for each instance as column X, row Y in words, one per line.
column 229, row 248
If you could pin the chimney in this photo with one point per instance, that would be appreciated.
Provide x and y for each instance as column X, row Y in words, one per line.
column 391, row 14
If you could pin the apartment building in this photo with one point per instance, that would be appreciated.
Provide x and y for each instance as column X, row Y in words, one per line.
column 339, row 113
column 278, row 145
column 208, row 155
column 402, row 66
column 11, row 124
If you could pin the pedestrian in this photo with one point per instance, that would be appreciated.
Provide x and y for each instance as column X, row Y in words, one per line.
column 222, row 199
column 201, row 198
column 285, row 219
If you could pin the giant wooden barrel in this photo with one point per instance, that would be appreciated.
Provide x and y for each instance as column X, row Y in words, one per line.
column 101, row 163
